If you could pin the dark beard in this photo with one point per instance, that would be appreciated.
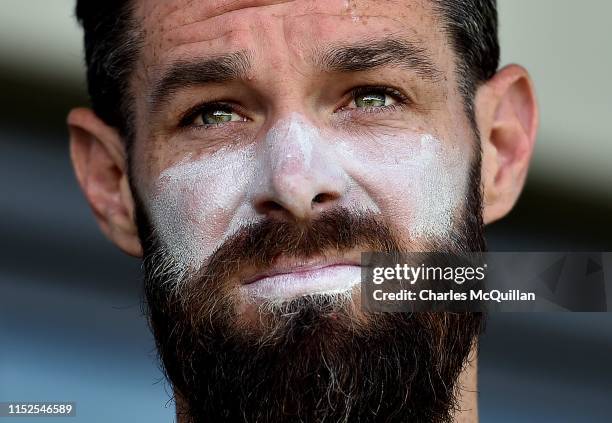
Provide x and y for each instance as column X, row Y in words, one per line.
column 317, row 359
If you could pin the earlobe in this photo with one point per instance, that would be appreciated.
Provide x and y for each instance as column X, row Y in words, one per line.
column 507, row 118
column 100, row 165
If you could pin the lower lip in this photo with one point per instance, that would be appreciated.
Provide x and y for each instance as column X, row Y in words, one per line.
column 323, row 280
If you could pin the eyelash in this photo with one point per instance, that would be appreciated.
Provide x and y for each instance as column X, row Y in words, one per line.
column 188, row 118
column 401, row 99
column 191, row 114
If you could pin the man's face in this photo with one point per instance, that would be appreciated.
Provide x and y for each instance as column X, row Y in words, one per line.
column 275, row 141
column 284, row 111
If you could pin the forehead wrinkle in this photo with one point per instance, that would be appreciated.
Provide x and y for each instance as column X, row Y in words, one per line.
column 185, row 40
column 177, row 19
column 179, row 34
column 167, row 25
column 213, row 8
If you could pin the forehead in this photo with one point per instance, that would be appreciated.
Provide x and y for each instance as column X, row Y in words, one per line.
column 179, row 29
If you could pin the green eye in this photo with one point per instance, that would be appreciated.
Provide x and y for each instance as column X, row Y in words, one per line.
column 371, row 99
column 217, row 116
column 210, row 115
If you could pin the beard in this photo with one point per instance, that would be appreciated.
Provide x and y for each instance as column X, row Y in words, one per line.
column 316, row 357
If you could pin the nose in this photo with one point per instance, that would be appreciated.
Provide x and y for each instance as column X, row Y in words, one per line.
column 300, row 178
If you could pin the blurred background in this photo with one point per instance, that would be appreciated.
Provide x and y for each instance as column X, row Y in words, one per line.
column 71, row 326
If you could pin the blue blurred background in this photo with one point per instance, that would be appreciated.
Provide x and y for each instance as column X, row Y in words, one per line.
column 71, row 326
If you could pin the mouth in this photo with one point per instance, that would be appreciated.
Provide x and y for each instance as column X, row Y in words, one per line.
column 288, row 279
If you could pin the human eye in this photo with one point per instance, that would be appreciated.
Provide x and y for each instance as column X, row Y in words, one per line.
column 211, row 115
column 375, row 99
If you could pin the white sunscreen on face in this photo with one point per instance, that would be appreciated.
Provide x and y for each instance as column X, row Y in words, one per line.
column 414, row 180
column 194, row 203
column 418, row 180
column 440, row 181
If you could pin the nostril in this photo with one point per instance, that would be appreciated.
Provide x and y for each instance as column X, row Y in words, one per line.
column 296, row 205
column 270, row 206
column 322, row 198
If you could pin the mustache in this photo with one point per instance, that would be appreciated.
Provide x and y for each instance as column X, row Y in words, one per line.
column 181, row 295
column 338, row 230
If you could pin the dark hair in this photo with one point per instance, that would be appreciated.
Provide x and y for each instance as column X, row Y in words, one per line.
column 112, row 42
column 472, row 28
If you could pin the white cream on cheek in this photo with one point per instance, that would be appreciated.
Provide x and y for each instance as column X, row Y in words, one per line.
column 195, row 202
column 414, row 179
column 418, row 180
column 440, row 188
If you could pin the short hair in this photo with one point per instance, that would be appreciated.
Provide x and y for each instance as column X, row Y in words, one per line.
column 112, row 42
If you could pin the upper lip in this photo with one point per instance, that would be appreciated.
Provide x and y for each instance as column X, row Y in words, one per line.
column 286, row 265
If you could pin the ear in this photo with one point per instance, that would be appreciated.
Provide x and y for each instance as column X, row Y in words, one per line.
column 507, row 118
column 99, row 159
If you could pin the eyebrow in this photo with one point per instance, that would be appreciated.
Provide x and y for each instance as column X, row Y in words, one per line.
column 372, row 54
column 184, row 73
column 344, row 58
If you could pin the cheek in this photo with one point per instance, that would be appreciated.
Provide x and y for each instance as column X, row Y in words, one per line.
column 194, row 204
column 438, row 190
column 418, row 182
